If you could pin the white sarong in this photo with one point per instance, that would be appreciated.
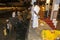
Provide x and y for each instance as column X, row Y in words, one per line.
column 35, row 17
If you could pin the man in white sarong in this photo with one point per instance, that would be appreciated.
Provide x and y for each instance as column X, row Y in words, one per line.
column 35, row 16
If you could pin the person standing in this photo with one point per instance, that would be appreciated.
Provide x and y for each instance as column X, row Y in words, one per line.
column 7, row 26
column 35, row 15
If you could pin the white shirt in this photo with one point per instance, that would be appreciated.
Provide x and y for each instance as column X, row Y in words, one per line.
column 13, row 14
column 8, row 26
column 37, row 9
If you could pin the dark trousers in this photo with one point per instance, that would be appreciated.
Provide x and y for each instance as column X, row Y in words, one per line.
column 22, row 32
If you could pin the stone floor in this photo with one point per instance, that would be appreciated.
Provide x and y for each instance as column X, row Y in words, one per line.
column 35, row 34
column 58, row 25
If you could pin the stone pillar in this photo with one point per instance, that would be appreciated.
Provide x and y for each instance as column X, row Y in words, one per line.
column 47, row 7
column 55, row 8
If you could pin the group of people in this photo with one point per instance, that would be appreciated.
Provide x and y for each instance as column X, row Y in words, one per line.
column 19, row 22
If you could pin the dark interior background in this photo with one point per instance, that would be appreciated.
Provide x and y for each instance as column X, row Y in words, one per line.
column 5, row 1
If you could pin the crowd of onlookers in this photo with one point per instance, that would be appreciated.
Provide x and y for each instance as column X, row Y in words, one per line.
column 19, row 23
